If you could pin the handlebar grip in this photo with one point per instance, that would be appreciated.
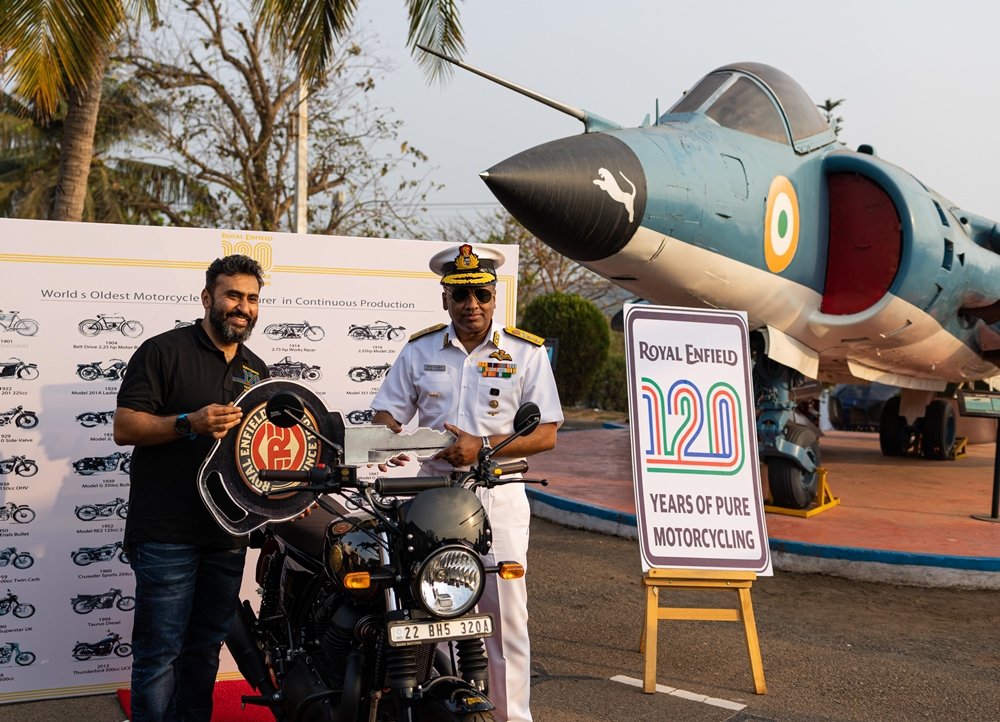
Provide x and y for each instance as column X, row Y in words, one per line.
column 283, row 475
column 514, row 467
column 410, row 484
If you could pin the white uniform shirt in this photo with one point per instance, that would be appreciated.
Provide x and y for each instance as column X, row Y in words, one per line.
column 435, row 380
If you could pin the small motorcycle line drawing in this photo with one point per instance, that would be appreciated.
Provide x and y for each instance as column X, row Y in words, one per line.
column 20, row 560
column 21, row 513
column 22, row 418
column 112, row 462
column 16, row 367
column 110, row 322
column 181, row 323
column 90, row 419
column 288, row 369
column 10, row 603
column 86, row 603
column 12, row 650
column 111, row 643
column 20, row 465
column 88, row 555
column 376, row 331
column 368, row 373
column 12, row 321
column 361, row 416
column 93, row 371
column 277, row 331
column 89, row 512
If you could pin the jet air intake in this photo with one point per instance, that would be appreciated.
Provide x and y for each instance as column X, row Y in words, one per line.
column 584, row 196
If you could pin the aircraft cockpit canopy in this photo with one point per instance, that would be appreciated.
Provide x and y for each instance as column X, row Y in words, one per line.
column 760, row 100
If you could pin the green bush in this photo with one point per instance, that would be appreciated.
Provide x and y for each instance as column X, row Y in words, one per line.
column 610, row 389
column 584, row 337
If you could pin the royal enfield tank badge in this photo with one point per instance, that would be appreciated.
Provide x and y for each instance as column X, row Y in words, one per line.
column 262, row 445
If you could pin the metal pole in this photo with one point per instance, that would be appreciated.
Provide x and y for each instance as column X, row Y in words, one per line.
column 301, row 160
column 995, row 506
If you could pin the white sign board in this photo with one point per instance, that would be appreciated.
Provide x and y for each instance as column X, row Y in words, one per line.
column 698, row 494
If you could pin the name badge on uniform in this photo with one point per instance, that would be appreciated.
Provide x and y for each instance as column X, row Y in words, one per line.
column 497, row 369
column 435, row 368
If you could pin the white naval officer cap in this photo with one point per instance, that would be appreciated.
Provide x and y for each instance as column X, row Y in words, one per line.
column 463, row 266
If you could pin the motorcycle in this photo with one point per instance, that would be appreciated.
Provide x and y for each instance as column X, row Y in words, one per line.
column 12, row 321
column 111, row 643
column 22, row 419
column 89, row 512
column 288, row 369
column 86, row 603
column 105, row 322
column 90, row 419
column 21, row 513
column 112, row 462
column 11, row 603
column 361, row 416
column 93, row 371
column 88, row 555
column 12, row 650
column 376, row 331
column 179, row 323
column 21, row 560
column 355, row 602
column 16, row 367
column 277, row 331
column 368, row 373
column 20, row 465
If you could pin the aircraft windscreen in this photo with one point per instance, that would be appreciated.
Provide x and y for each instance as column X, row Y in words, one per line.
column 747, row 108
column 803, row 117
column 693, row 99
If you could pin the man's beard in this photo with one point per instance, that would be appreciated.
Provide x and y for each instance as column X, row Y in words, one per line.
column 226, row 332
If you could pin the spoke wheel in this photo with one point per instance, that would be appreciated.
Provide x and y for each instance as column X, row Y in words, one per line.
column 131, row 329
column 314, row 333
column 27, row 327
column 27, row 421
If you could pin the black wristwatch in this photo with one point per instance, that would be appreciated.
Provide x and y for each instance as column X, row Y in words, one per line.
column 183, row 427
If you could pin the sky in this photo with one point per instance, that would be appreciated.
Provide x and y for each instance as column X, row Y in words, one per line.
column 919, row 78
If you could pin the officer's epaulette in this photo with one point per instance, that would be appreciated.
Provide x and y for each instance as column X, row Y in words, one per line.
column 524, row 335
column 429, row 329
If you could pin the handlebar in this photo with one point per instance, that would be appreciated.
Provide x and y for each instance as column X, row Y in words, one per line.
column 410, row 484
column 514, row 467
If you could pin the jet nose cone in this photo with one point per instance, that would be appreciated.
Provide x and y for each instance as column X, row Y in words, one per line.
column 584, row 196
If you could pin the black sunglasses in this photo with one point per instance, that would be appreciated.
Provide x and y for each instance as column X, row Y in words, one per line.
column 461, row 295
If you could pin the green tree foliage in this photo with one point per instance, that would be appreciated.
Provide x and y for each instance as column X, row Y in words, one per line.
column 835, row 121
column 584, row 338
column 610, row 389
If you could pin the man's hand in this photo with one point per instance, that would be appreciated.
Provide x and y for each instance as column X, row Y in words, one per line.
column 215, row 419
column 386, row 419
column 464, row 451
column 397, row 460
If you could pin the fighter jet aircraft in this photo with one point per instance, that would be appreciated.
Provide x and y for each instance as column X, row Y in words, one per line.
column 740, row 197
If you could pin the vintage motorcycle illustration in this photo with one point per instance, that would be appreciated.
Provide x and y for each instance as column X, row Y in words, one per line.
column 88, row 555
column 376, row 331
column 361, row 416
column 111, row 643
column 180, row 323
column 368, row 373
column 276, row 331
column 16, row 367
column 89, row 512
column 20, row 465
column 12, row 321
column 288, row 369
column 21, row 513
column 22, row 418
column 86, row 603
column 90, row 419
column 20, row 560
column 10, row 603
column 12, row 650
column 354, row 606
column 110, row 322
column 91, row 372
column 112, row 462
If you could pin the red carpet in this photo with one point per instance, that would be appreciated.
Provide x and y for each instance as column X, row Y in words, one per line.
column 226, row 700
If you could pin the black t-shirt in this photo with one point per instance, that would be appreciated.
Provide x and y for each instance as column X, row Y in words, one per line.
column 177, row 372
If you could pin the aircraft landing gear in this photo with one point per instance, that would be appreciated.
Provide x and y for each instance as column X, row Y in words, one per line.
column 932, row 435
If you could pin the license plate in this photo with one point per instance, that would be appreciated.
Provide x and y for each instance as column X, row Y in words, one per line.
column 402, row 634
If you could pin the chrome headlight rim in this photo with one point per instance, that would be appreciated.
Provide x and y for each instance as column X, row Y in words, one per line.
column 422, row 583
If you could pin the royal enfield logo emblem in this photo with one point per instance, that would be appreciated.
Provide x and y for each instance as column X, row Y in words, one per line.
column 262, row 445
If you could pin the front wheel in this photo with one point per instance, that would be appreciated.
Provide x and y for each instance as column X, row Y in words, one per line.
column 123, row 557
column 314, row 333
column 123, row 650
column 122, row 511
column 126, row 604
column 131, row 329
column 26, row 421
column 90, row 327
column 88, row 373
column 23, row 611
column 27, row 327
column 396, row 333
column 311, row 374
column 26, row 468
column 24, row 515
column 23, row 561
column 791, row 486
column 126, row 465
column 25, row 658
column 27, row 373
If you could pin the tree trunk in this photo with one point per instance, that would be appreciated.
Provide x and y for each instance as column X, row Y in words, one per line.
column 77, row 148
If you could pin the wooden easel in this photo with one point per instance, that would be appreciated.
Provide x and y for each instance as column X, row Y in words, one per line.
column 698, row 579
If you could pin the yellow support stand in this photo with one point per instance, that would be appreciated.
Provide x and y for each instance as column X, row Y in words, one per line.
column 961, row 449
column 698, row 579
column 824, row 500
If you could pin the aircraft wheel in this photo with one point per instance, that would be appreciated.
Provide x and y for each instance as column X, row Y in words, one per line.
column 894, row 433
column 938, row 439
column 791, row 487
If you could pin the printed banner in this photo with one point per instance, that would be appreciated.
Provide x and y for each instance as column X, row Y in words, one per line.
column 77, row 300
column 694, row 446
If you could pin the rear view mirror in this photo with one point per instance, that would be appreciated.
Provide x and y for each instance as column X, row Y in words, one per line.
column 285, row 409
column 526, row 419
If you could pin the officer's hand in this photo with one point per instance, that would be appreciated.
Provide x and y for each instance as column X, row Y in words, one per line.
column 397, row 460
column 464, row 450
column 215, row 419
column 386, row 419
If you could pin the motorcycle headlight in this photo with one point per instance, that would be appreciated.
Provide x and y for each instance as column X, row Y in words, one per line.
column 450, row 582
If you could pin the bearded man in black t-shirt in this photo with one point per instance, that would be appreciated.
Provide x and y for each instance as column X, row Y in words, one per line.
column 174, row 402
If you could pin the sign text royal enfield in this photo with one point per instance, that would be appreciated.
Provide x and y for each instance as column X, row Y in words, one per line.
column 262, row 445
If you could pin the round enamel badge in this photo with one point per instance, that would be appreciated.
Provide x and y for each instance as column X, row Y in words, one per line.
column 262, row 445
column 781, row 225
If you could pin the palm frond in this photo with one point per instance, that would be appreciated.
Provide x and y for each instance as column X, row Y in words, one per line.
column 435, row 23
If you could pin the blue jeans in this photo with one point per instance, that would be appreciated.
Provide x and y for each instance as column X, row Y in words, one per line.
column 185, row 600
